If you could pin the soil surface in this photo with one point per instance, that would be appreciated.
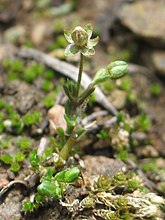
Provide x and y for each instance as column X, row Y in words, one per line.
column 28, row 86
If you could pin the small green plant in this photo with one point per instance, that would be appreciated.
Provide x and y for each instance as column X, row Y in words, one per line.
column 143, row 123
column 32, row 118
column 155, row 89
column 56, row 177
column 103, row 134
column 13, row 161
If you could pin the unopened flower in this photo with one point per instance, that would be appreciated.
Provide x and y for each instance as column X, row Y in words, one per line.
column 114, row 70
column 80, row 41
column 117, row 69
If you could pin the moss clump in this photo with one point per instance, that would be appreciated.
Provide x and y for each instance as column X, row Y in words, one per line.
column 32, row 118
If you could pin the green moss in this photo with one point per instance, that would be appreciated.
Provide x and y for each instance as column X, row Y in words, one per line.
column 155, row 89
column 15, row 167
column 143, row 123
column 59, row 25
column 126, row 84
column 108, row 86
column 103, row 183
column 103, row 134
column 48, row 74
column 14, row 65
column 24, row 144
column 119, row 179
column 149, row 166
column 32, row 118
column 17, row 124
column 19, row 157
column 47, row 85
column 4, row 143
column 6, row 158
column 123, row 155
column 49, row 100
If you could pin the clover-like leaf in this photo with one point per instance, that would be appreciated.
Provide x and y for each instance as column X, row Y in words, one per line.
column 68, row 37
column 71, row 49
column 93, row 42
column 88, row 52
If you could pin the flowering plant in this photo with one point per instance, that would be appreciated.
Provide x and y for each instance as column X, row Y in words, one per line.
column 80, row 41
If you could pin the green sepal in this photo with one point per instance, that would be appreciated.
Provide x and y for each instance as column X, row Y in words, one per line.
column 89, row 30
column 93, row 42
column 101, row 76
column 71, row 50
column 87, row 52
column 68, row 37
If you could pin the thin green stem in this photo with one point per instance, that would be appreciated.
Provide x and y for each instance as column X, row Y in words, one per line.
column 80, row 74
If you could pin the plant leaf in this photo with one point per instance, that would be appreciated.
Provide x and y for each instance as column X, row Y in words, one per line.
column 93, row 42
column 68, row 37
column 71, row 50
column 88, row 52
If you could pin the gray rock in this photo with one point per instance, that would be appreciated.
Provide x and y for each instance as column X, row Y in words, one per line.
column 158, row 61
column 146, row 19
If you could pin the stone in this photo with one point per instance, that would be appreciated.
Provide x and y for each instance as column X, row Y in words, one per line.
column 158, row 61
column 118, row 98
column 15, row 34
column 146, row 19
column 40, row 32
column 56, row 118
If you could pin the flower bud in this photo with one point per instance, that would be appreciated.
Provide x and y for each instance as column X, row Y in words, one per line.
column 79, row 36
column 101, row 76
column 117, row 69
